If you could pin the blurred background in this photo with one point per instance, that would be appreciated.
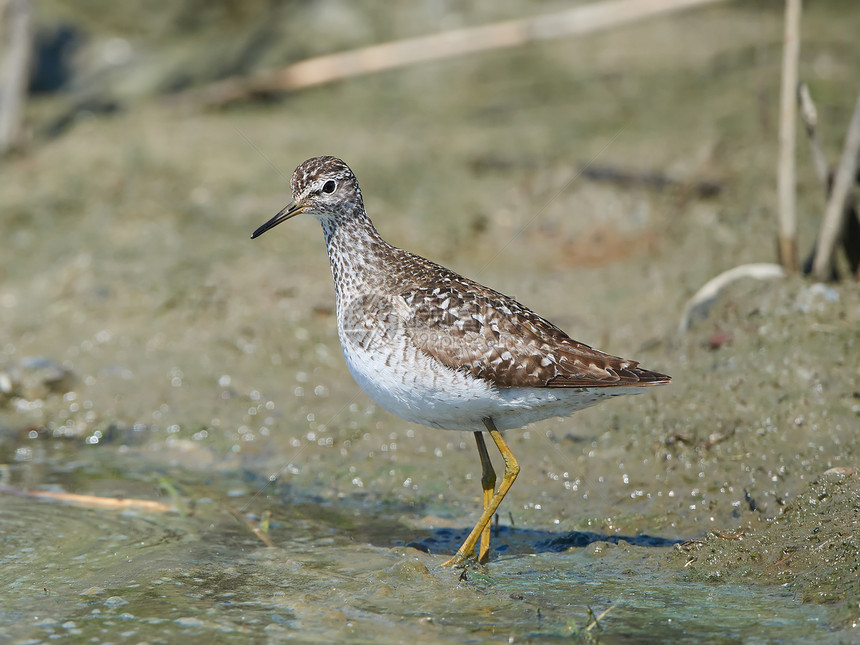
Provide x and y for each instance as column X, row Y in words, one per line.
column 150, row 350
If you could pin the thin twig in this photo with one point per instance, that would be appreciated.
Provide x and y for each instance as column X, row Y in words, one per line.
column 92, row 501
column 851, row 226
column 256, row 530
column 14, row 70
column 834, row 213
column 596, row 619
column 810, row 119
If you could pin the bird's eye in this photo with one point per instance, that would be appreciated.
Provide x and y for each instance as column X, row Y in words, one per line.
column 329, row 186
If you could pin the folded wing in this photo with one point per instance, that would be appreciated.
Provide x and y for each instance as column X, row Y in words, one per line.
column 467, row 327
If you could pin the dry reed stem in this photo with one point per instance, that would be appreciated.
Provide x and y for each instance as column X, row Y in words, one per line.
column 786, row 172
column 835, row 212
column 402, row 53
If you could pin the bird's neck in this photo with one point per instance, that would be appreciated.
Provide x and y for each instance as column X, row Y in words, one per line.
column 356, row 253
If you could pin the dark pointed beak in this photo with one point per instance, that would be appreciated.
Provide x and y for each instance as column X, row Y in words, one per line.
column 290, row 210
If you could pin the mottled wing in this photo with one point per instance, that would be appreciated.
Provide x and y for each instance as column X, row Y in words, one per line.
column 468, row 327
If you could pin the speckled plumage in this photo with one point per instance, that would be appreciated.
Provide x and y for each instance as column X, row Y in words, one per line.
column 434, row 347
column 409, row 324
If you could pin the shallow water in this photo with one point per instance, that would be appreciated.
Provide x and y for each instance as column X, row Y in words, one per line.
column 341, row 570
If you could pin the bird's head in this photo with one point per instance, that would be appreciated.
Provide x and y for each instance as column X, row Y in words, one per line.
column 324, row 187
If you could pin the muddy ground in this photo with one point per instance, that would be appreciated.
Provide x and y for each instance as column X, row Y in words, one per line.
column 149, row 349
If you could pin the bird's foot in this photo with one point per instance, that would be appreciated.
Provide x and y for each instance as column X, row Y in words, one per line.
column 459, row 560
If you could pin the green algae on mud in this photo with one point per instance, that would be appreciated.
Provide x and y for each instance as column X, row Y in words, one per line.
column 812, row 547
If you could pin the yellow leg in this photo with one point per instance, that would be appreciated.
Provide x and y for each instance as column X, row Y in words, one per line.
column 488, row 483
column 512, row 469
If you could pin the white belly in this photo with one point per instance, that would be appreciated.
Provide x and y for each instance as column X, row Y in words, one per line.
column 411, row 385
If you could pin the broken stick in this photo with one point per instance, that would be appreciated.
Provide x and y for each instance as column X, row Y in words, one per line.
column 458, row 42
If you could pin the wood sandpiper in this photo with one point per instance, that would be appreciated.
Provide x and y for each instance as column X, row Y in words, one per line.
column 441, row 350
